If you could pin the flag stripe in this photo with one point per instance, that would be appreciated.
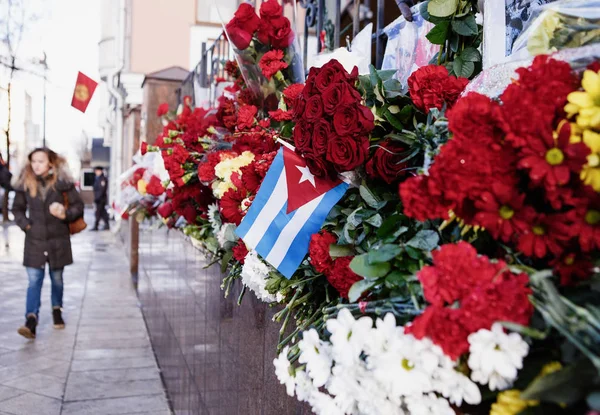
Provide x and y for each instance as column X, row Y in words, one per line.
column 269, row 239
column 265, row 195
column 299, row 246
column 289, row 233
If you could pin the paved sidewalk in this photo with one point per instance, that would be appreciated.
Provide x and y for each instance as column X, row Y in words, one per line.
column 102, row 363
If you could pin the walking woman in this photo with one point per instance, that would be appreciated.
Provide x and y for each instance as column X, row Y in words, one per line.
column 39, row 210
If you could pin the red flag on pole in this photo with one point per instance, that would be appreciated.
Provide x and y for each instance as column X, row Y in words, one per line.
column 84, row 89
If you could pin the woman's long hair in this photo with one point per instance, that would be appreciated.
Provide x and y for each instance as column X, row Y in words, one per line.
column 28, row 178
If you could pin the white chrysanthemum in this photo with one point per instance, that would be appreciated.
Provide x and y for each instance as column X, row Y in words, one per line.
column 226, row 235
column 304, row 386
column 254, row 276
column 323, row 404
column 214, row 217
column 495, row 357
column 317, row 356
column 455, row 386
column 346, row 387
column 282, row 371
column 348, row 336
column 429, row 404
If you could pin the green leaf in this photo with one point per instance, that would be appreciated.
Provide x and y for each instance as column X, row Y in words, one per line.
column 439, row 33
column 386, row 74
column 406, row 113
column 337, row 251
column 355, row 218
column 370, row 198
column 425, row 240
column 384, row 253
column 593, row 401
column 360, row 265
column 358, row 288
column 566, row 386
column 442, row 8
column 470, row 55
column 225, row 261
column 395, row 279
column 462, row 68
column 466, row 26
column 375, row 220
column 388, row 226
column 393, row 120
column 454, row 40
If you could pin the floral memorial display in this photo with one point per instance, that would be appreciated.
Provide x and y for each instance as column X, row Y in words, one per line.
column 428, row 251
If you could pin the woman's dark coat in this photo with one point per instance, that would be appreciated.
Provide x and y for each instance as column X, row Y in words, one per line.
column 48, row 238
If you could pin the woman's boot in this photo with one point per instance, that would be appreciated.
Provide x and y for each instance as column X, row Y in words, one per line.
column 28, row 330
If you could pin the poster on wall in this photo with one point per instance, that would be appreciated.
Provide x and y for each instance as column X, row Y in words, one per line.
column 500, row 34
column 407, row 48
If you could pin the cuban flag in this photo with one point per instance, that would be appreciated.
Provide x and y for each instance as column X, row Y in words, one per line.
column 290, row 206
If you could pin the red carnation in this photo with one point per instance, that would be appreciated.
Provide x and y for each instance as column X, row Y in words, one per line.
column 419, row 203
column 155, row 187
column 240, row 251
column 291, row 93
column 280, row 115
column 232, row 205
column 144, row 148
column 341, row 277
column 271, row 63
column 246, row 116
column 162, row 109
column 165, row 210
column 386, row 163
column 431, row 87
column 318, row 251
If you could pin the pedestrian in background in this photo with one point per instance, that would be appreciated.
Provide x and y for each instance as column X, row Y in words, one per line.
column 100, row 198
column 39, row 210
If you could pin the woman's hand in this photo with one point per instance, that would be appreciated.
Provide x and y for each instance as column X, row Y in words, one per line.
column 58, row 210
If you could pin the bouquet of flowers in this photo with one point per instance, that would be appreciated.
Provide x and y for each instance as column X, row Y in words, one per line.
column 266, row 50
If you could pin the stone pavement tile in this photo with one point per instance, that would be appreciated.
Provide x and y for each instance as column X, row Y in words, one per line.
column 30, row 404
column 87, row 323
column 7, row 393
column 60, row 371
column 113, row 353
column 49, row 386
column 87, row 385
column 113, row 363
column 25, row 368
column 118, row 406
column 116, row 335
column 111, row 343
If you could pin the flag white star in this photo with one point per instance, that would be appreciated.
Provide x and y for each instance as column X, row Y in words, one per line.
column 306, row 175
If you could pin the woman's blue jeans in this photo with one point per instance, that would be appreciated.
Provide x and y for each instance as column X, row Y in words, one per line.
column 34, row 291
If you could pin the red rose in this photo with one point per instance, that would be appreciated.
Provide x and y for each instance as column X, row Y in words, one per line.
column 245, row 17
column 144, row 148
column 299, row 107
column 270, row 9
column 319, row 250
column 345, row 121
column 366, row 119
column 317, row 165
column 310, row 88
column 282, row 35
column 162, row 109
column 339, row 95
column 240, row 251
column 341, row 277
column 333, row 72
column 291, row 93
column 155, row 187
column 237, row 35
column 271, row 63
column 385, row 163
column 314, row 109
column 165, row 210
column 320, row 136
column 347, row 153
column 246, row 115
column 302, row 136
column 431, row 86
column 265, row 32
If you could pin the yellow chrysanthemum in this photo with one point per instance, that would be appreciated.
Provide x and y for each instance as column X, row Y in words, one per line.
column 509, row 402
column 539, row 40
column 590, row 174
column 226, row 168
column 141, row 187
column 586, row 104
column 221, row 187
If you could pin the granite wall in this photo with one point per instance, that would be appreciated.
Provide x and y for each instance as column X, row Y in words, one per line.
column 216, row 357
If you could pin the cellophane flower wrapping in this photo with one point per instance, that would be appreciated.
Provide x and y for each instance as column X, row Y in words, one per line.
column 267, row 51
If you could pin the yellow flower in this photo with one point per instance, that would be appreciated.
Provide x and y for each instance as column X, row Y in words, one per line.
column 221, row 187
column 549, row 368
column 539, row 40
column 509, row 402
column 226, row 168
column 590, row 174
column 586, row 104
column 141, row 187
